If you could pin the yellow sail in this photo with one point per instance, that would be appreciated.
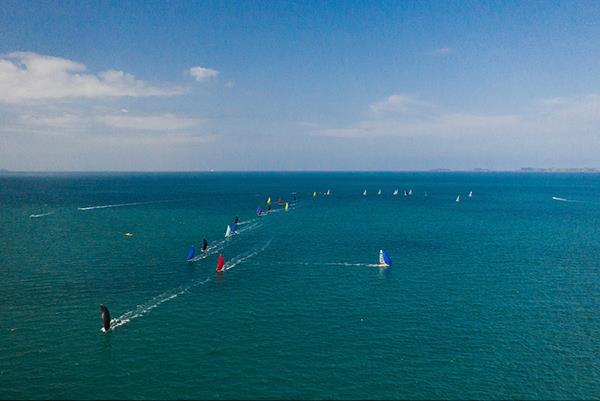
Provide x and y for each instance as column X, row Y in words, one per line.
column 315, row 194
column 287, row 206
column 269, row 201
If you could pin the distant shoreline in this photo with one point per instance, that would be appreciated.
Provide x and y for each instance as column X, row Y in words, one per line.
column 587, row 170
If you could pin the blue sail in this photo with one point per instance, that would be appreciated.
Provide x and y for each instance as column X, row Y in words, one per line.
column 234, row 228
column 259, row 211
column 191, row 252
column 384, row 259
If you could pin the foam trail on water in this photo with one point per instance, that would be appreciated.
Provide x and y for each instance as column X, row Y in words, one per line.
column 556, row 198
column 119, row 205
column 245, row 256
column 218, row 246
column 155, row 302
column 35, row 216
column 333, row 264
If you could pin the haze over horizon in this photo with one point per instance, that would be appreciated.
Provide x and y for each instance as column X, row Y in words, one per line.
column 188, row 86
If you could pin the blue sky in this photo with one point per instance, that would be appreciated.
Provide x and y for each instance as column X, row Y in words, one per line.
column 299, row 85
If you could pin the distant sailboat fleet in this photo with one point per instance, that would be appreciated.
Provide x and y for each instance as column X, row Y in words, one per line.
column 231, row 230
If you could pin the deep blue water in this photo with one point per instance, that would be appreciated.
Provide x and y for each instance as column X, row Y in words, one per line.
column 497, row 296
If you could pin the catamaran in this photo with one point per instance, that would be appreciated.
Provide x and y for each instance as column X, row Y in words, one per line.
column 384, row 259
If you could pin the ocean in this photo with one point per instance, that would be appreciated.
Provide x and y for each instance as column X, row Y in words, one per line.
column 493, row 297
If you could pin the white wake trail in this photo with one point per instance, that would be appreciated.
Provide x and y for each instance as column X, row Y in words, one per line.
column 155, row 302
column 83, row 209
column 35, row 216
column 245, row 256
column 556, row 198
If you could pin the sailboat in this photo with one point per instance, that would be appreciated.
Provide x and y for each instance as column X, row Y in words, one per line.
column 228, row 232
column 470, row 194
column 191, row 253
column 315, row 194
column 395, row 192
column 405, row 193
column 259, row 211
column 458, row 199
column 365, row 192
column 287, row 206
column 328, row 192
column 220, row 263
column 204, row 245
column 379, row 192
column 269, row 200
column 410, row 192
column 384, row 259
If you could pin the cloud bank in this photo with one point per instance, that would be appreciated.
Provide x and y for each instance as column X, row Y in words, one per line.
column 27, row 76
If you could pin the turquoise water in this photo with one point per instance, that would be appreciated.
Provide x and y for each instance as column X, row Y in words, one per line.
column 497, row 296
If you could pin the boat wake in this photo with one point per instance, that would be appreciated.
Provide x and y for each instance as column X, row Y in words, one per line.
column 155, row 302
column 218, row 246
column 351, row 264
column 245, row 256
column 166, row 296
column 35, row 216
column 334, row 264
column 83, row 209
column 556, row 198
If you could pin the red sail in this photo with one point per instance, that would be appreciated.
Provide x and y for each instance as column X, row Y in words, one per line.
column 220, row 263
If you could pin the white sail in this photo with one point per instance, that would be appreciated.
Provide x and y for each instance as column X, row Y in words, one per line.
column 395, row 192
column 384, row 259
column 409, row 192
column 458, row 198
column 379, row 193
column 228, row 232
column 470, row 194
column 365, row 192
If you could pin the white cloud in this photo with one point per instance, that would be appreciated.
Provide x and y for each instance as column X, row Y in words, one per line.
column 202, row 73
column 443, row 50
column 402, row 103
column 164, row 122
column 141, row 122
column 560, row 119
column 27, row 76
column 403, row 115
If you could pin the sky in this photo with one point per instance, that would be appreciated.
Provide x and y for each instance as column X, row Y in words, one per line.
column 306, row 85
